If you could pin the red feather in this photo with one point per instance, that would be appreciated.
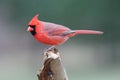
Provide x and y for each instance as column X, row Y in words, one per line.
column 53, row 34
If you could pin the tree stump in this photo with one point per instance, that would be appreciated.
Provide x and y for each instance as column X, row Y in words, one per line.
column 52, row 68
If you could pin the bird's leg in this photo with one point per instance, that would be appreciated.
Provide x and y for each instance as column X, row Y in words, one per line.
column 50, row 48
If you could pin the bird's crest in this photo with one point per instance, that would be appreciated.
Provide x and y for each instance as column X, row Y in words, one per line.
column 34, row 21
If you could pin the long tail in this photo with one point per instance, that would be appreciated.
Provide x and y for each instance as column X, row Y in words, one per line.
column 76, row 32
column 88, row 32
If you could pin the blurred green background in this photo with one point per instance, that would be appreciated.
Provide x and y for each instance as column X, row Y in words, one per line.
column 85, row 57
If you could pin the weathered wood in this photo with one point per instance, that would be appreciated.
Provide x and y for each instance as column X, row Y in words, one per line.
column 52, row 68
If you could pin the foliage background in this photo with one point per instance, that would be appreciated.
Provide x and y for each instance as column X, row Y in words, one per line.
column 85, row 57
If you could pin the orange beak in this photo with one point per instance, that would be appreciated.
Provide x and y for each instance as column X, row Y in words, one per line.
column 29, row 29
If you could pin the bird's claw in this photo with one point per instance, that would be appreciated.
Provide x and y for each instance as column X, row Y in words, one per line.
column 50, row 49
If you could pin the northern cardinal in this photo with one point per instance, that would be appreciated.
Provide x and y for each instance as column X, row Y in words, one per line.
column 53, row 34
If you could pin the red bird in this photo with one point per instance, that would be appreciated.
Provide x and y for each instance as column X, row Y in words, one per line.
column 53, row 34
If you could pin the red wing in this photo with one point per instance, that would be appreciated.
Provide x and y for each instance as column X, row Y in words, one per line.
column 54, row 29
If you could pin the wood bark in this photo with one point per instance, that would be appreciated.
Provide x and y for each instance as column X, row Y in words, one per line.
column 52, row 66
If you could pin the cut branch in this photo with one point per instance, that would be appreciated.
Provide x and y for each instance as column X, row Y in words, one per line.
column 52, row 68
